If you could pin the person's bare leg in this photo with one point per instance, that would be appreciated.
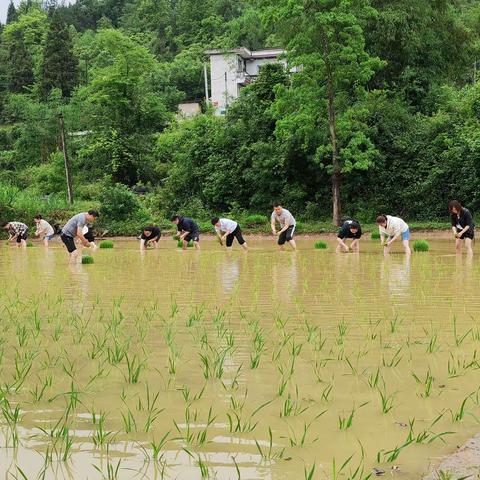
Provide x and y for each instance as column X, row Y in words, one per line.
column 458, row 245
column 22, row 244
column 45, row 242
column 338, row 249
column 406, row 246
column 468, row 246
column 356, row 247
column 197, row 245
column 73, row 257
column 185, row 244
column 244, row 246
column 292, row 244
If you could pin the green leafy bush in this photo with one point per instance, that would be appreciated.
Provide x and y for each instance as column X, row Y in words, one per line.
column 255, row 220
column 118, row 203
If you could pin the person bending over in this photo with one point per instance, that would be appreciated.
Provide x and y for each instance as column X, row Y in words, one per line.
column 17, row 231
column 462, row 226
column 287, row 224
column 227, row 230
column 74, row 228
column 391, row 229
column 187, row 230
column 150, row 236
column 350, row 229
column 44, row 229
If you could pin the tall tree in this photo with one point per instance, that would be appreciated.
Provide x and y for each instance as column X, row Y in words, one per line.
column 325, row 41
column 59, row 68
column 11, row 13
column 19, row 64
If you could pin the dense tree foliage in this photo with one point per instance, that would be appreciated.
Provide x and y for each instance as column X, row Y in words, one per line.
column 377, row 109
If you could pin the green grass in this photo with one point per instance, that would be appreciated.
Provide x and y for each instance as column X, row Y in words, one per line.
column 320, row 245
column 421, row 246
column 87, row 260
column 375, row 235
column 29, row 244
column 254, row 220
column 106, row 244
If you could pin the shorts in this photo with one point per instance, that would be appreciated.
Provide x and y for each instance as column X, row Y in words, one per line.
column 287, row 235
column 69, row 242
column 406, row 234
column 470, row 233
column 48, row 237
column 21, row 237
column 195, row 236
column 237, row 233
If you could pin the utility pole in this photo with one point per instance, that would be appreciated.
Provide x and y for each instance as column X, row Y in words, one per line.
column 226, row 92
column 68, row 167
column 205, row 77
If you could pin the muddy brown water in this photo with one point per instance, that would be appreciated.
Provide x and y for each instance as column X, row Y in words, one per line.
column 189, row 365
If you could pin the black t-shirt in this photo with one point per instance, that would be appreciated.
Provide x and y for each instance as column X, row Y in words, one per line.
column 463, row 219
column 154, row 235
column 345, row 230
column 187, row 225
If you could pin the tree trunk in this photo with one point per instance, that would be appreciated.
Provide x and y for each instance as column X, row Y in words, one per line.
column 336, row 171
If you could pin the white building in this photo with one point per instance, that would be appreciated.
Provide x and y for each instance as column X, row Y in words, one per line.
column 230, row 70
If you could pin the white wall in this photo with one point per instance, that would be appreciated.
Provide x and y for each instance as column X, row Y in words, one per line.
column 221, row 94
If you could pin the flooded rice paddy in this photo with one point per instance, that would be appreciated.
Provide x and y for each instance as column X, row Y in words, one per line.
column 258, row 365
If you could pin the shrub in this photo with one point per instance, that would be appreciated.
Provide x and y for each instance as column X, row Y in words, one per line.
column 118, row 202
column 87, row 260
column 255, row 220
column 375, row 235
column 106, row 244
column 320, row 245
column 421, row 246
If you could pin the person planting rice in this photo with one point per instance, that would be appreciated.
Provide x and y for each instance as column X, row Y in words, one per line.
column 230, row 230
column 350, row 229
column 18, row 232
column 150, row 236
column 89, row 235
column 44, row 229
column 187, row 230
column 391, row 229
column 287, row 224
column 462, row 226
column 74, row 228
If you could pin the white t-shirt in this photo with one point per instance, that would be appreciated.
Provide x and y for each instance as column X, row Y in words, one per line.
column 283, row 218
column 226, row 225
column 44, row 228
column 395, row 226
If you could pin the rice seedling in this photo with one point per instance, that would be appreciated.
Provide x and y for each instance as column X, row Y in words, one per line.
column 320, row 245
column 112, row 470
column 427, row 383
column 269, row 453
column 392, row 455
column 29, row 243
column 158, row 446
column 292, row 406
column 386, row 401
column 100, row 436
column 134, row 368
column 308, row 473
column 87, row 260
column 459, row 339
column 301, row 440
column 421, row 246
column 459, row 415
column 106, row 244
